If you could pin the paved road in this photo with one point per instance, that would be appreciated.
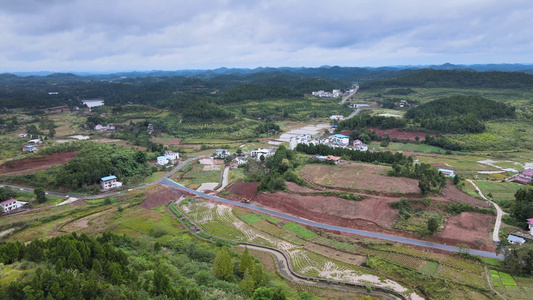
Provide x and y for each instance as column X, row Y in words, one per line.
column 356, row 88
column 225, row 178
column 353, row 114
column 499, row 213
column 332, row 227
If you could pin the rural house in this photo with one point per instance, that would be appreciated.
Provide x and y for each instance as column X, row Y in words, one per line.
column 12, row 204
column 525, row 176
column 339, row 139
column 162, row 160
column 29, row 149
column 335, row 159
column 221, row 153
column 513, row 239
column 109, row 182
column 359, row 145
column 447, row 173
column 262, row 151
column 530, row 224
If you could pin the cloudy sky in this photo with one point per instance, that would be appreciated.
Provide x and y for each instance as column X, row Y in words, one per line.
column 124, row 35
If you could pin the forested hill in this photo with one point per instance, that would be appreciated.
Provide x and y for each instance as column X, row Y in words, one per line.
column 462, row 106
column 431, row 78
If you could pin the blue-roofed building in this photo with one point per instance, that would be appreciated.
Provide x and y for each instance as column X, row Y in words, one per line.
column 513, row 239
column 109, row 182
column 339, row 139
column 447, row 173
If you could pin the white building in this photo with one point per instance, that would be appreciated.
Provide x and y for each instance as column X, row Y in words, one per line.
column 358, row 145
column 172, row 155
column 162, row 160
column 12, row 204
column 262, row 151
column 301, row 139
column 109, row 182
column 221, row 153
column 336, row 117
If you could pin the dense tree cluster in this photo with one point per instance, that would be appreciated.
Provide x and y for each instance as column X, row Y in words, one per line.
column 365, row 120
column 203, row 110
column 461, row 106
column 247, row 92
column 431, row 78
column 266, row 127
column 385, row 157
column 522, row 209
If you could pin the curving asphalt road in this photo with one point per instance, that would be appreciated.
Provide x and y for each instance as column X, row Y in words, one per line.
column 409, row 241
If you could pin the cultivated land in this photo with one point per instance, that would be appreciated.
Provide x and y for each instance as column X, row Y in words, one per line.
column 330, row 255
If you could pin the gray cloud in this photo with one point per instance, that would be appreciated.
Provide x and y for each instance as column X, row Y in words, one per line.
column 130, row 34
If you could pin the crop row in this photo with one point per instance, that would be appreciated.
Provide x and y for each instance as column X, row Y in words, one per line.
column 219, row 229
column 462, row 277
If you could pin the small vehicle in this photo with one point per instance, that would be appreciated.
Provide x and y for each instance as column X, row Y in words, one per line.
column 246, row 201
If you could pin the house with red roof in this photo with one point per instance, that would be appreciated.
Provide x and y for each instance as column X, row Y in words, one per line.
column 11, row 204
column 525, row 176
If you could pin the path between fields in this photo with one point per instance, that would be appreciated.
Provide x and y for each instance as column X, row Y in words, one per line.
column 285, row 268
column 499, row 213
column 404, row 240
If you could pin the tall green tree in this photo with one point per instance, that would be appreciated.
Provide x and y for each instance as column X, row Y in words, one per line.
column 433, row 224
column 40, row 195
column 247, row 262
column 222, row 265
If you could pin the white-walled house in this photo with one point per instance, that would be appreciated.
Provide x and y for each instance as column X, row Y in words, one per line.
column 172, row 155
column 530, row 224
column 109, row 182
column 262, row 151
column 222, row 153
column 162, row 160
column 12, row 204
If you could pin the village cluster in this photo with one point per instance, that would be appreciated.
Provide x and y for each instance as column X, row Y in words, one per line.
column 333, row 94
column 334, row 141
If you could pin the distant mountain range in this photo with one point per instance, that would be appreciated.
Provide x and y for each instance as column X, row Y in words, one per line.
column 335, row 72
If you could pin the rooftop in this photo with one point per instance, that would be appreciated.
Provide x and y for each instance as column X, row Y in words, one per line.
column 8, row 201
column 527, row 172
column 110, row 177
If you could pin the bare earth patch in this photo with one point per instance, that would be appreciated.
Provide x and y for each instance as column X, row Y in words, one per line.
column 34, row 164
column 159, row 195
column 470, row 227
column 360, row 177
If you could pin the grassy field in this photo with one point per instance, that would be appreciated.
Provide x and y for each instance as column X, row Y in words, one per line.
column 500, row 190
column 299, row 230
column 424, row 95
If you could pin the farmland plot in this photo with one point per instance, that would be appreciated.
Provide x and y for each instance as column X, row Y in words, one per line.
column 219, row 220
column 312, row 264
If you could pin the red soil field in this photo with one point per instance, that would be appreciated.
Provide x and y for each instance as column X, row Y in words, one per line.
column 470, row 226
column 159, row 195
column 371, row 214
column 31, row 165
